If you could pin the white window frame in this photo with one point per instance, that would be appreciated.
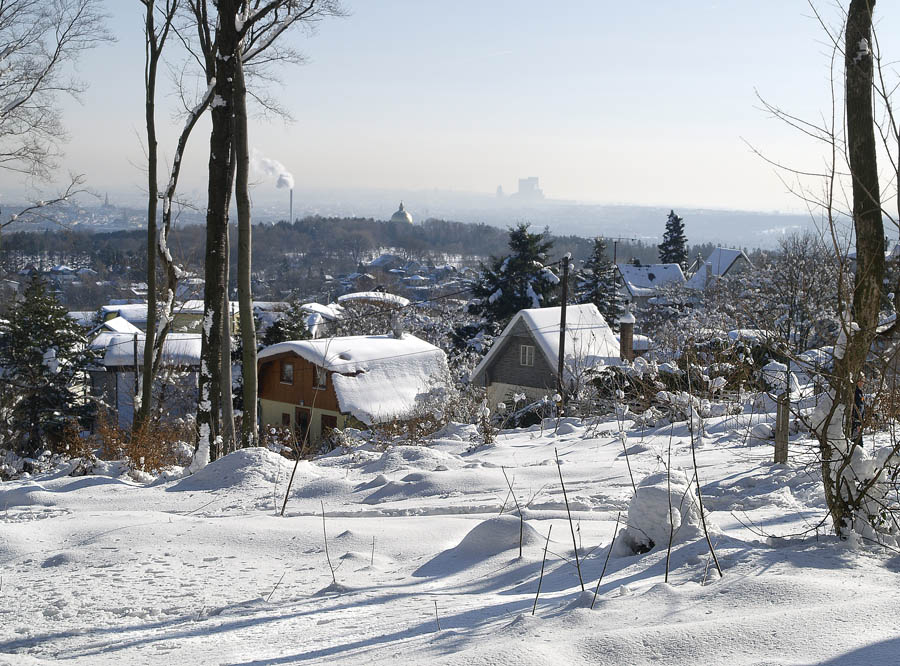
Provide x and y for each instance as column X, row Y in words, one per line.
column 526, row 355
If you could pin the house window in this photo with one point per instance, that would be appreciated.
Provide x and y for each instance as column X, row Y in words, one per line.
column 526, row 355
column 285, row 420
column 287, row 372
column 320, row 381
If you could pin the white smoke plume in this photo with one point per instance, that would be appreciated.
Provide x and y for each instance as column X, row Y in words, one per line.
column 273, row 169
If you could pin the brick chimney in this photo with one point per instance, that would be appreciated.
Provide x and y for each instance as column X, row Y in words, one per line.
column 626, row 336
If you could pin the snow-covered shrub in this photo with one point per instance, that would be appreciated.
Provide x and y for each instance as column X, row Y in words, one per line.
column 278, row 440
column 650, row 520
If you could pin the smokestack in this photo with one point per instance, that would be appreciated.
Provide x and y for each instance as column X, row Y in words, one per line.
column 291, row 214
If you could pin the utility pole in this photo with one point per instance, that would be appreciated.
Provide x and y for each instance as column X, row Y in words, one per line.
column 560, row 382
column 615, row 242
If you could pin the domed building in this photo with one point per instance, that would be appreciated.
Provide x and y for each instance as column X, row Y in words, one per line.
column 401, row 215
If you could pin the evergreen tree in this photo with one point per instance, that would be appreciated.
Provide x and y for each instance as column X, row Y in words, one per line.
column 290, row 326
column 673, row 249
column 598, row 283
column 43, row 357
column 517, row 281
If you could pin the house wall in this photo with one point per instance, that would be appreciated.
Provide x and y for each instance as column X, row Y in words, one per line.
column 174, row 392
column 271, row 414
column 301, row 391
column 499, row 392
column 505, row 366
column 277, row 398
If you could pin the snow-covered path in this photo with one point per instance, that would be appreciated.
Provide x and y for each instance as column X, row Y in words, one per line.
column 100, row 570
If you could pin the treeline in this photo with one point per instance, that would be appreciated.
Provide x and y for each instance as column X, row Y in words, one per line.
column 312, row 244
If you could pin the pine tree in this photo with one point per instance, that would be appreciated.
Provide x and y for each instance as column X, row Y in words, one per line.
column 43, row 358
column 292, row 325
column 597, row 283
column 518, row 281
column 673, row 249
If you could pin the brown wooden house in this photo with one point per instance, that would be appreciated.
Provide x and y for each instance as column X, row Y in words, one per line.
column 316, row 385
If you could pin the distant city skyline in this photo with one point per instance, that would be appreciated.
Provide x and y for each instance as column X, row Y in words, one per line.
column 603, row 103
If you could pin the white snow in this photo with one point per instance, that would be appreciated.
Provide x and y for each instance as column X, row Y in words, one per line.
column 645, row 280
column 330, row 312
column 717, row 264
column 202, row 570
column 374, row 297
column 179, row 349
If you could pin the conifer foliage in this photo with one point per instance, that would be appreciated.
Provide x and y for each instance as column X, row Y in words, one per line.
column 517, row 281
column 673, row 249
column 292, row 325
column 43, row 358
column 597, row 283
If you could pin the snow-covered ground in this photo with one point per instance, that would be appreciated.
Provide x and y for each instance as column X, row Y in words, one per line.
column 202, row 570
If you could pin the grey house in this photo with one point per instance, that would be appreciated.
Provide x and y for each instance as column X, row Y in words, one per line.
column 525, row 357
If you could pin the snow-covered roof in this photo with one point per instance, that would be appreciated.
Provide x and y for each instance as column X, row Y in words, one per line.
column 270, row 306
column 641, row 342
column 376, row 377
column 85, row 318
column 645, row 280
column 374, row 297
column 717, row 264
column 133, row 312
column 179, row 349
column 62, row 268
column 120, row 325
column 589, row 340
column 195, row 307
column 331, row 312
column 386, row 260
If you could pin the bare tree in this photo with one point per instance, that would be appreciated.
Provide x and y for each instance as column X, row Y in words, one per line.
column 39, row 39
column 853, row 159
column 235, row 38
column 154, row 42
column 264, row 22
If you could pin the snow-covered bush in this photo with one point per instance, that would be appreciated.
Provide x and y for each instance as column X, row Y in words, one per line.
column 663, row 505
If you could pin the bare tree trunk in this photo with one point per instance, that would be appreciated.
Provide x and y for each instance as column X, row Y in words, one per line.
column 154, row 43
column 228, row 435
column 249, row 433
column 869, row 228
column 220, row 179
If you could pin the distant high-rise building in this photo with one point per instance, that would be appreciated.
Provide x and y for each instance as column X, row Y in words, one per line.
column 499, row 191
column 529, row 189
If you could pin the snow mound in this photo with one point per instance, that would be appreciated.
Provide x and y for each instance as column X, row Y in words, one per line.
column 762, row 431
column 457, row 432
column 416, row 484
column 566, row 428
column 648, row 513
column 496, row 535
column 492, row 537
column 28, row 494
column 403, row 457
column 243, row 469
column 377, row 482
column 322, row 487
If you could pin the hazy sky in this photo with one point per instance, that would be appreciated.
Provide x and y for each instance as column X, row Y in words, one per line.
column 604, row 100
